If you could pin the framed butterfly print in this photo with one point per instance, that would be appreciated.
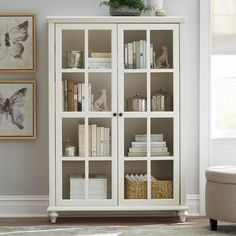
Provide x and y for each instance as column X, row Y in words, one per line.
column 17, row 109
column 17, row 43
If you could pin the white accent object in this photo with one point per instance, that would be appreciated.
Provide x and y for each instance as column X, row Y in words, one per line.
column 162, row 60
column 157, row 7
column 101, row 103
column 115, row 166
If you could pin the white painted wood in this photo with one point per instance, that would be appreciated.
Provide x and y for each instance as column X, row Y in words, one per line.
column 204, row 97
column 183, row 116
column 36, row 205
column 117, row 203
column 182, row 215
column 51, row 112
column 108, row 19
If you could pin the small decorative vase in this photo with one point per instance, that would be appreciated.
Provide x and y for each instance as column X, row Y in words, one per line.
column 157, row 7
column 124, row 11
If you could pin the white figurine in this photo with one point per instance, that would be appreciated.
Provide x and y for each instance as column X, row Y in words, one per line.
column 162, row 60
column 101, row 103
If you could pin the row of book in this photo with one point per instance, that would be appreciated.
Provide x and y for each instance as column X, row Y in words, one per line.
column 99, row 142
column 135, row 55
column 73, row 96
column 99, row 61
column 139, row 146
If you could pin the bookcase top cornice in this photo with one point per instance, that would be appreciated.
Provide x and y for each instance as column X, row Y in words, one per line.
column 120, row 19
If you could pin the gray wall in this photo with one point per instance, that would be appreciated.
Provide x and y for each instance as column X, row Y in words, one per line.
column 24, row 164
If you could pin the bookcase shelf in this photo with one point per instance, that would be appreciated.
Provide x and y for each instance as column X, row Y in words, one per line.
column 115, row 138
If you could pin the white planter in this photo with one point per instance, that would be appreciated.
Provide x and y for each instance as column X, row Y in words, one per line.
column 157, row 5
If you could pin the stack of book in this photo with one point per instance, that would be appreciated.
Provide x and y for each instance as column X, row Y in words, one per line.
column 99, row 61
column 73, row 96
column 135, row 55
column 139, row 146
column 97, row 187
column 99, row 141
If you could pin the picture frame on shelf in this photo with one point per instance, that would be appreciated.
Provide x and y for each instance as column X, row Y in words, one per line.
column 17, row 109
column 17, row 43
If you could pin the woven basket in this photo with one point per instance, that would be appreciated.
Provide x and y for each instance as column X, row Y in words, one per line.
column 161, row 189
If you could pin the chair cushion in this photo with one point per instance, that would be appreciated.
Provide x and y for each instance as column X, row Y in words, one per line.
column 221, row 174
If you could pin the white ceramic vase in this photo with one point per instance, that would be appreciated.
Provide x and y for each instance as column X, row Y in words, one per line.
column 157, row 6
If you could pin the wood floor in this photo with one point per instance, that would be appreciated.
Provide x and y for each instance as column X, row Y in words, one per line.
column 101, row 221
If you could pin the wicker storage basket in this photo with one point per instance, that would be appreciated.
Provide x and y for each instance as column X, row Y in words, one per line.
column 161, row 189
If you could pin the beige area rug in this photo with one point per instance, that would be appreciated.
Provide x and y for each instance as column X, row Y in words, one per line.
column 116, row 230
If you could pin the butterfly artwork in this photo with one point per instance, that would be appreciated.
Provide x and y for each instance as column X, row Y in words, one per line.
column 12, row 40
column 17, row 109
column 11, row 107
column 17, row 43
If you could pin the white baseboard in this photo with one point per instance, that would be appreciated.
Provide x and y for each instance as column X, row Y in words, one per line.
column 36, row 206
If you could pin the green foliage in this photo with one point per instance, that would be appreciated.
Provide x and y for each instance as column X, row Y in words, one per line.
column 136, row 4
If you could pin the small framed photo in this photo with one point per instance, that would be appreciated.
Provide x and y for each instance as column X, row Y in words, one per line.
column 17, row 43
column 17, row 109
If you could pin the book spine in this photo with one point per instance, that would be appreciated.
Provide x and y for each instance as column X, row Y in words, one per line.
column 143, row 154
column 107, row 142
column 144, row 54
column 130, row 55
column 151, row 55
column 101, row 55
column 154, row 60
column 154, row 138
column 102, row 142
column 141, row 66
column 83, row 96
column 81, row 138
column 98, row 141
column 89, row 97
column 144, row 144
column 70, row 95
column 145, row 149
column 75, row 97
column 79, row 89
column 134, row 55
column 94, row 140
column 126, row 55
column 90, row 141
column 137, row 55
column 65, row 95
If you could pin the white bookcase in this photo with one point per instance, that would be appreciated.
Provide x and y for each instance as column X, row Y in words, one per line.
column 109, row 171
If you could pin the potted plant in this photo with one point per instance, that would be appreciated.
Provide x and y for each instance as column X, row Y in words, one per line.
column 126, row 7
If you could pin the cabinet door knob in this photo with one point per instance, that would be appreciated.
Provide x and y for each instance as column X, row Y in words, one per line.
column 120, row 114
column 114, row 114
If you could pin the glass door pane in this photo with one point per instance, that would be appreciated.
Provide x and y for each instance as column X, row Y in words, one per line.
column 162, row 173
column 73, row 49
column 100, row 180
column 100, row 92
column 135, row 53
column 161, row 49
column 100, row 56
column 73, row 180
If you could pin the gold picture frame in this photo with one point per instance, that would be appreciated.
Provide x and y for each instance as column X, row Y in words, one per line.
column 18, row 43
column 17, row 109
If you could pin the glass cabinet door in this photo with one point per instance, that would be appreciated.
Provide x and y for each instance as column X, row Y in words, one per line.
column 148, row 75
column 86, row 139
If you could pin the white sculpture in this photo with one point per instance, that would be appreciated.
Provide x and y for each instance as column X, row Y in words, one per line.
column 101, row 103
column 162, row 60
